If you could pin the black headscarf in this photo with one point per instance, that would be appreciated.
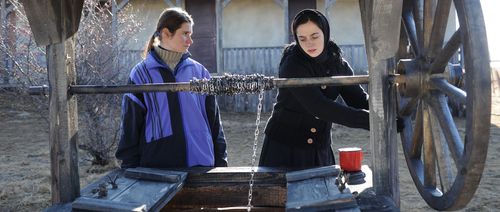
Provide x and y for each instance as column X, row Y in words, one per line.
column 331, row 52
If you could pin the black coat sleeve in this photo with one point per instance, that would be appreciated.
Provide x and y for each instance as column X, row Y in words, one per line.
column 133, row 118
column 320, row 105
column 217, row 131
column 354, row 95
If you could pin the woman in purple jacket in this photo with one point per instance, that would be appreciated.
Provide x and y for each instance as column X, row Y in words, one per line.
column 170, row 129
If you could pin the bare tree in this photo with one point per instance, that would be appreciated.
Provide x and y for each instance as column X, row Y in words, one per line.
column 101, row 43
column 99, row 51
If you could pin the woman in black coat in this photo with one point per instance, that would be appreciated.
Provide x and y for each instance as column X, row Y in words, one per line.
column 298, row 132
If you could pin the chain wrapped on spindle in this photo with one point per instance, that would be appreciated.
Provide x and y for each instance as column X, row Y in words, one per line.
column 231, row 84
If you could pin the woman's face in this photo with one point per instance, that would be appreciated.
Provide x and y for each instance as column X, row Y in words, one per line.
column 311, row 38
column 178, row 41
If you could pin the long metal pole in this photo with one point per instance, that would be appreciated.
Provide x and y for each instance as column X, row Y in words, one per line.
column 186, row 86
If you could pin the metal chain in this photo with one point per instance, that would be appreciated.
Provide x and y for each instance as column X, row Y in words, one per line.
column 231, row 84
column 254, row 155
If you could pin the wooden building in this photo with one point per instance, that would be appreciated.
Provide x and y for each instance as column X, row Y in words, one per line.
column 248, row 36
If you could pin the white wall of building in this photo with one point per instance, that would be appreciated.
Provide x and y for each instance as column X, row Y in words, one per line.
column 345, row 21
column 260, row 23
column 147, row 12
column 253, row 23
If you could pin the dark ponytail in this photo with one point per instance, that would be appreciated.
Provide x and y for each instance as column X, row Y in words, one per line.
column 148, row 47
column 170, row 18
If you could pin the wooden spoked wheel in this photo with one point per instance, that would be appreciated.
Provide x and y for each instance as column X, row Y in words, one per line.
column 445, row 163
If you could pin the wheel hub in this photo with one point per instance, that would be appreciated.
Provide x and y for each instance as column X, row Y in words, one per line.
column 416, row 80
column 415, row 83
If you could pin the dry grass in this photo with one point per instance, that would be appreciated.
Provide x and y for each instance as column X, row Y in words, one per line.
column 25, row 166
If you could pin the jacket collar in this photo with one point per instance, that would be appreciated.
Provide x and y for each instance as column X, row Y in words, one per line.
column 153, row 60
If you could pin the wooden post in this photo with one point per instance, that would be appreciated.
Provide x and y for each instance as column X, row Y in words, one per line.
column 3, row 37
column 284, row 5
column 115, row 9
column 219, row 9
column 63, row 117
column 287, row 24
column 328, row 5
column 381, row 24
column 172, row 4
column 54, row 24
column 4, row 14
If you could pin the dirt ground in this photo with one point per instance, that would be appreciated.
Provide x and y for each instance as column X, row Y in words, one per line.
column 25, row 165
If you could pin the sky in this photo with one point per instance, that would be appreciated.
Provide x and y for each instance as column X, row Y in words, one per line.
column 491, row 13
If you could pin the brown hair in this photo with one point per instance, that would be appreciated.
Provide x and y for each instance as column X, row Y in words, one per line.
column 170, row 18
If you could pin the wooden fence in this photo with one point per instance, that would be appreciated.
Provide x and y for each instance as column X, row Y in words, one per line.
column 266, row 61
column 262, row 60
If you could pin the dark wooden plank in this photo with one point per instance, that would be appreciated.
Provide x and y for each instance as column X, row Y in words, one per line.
column 204, row 47
column 142, row 173
column 92, row 204
column 219, row 195
column 294, row 7
column 325, row 171
column 228, row 187
column 53, row 21
column 200, row 176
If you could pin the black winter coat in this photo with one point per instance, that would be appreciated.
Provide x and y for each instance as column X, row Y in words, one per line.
column 303, row 116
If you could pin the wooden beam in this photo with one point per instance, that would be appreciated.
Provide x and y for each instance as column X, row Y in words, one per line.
column 381, row 23
column 121, row 5
column 114, row 19
column 53, row 21
column 284, row 5
column 169, row 3
column 172, row 4
column 219, row 8
column 3, row 36
column 279, row 2
column 63, row 127
column 9, row 9
column 287, row 24
column 225, row 3
column 328, row 5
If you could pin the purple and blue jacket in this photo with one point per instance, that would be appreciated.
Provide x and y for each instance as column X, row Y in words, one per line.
column 170, row 129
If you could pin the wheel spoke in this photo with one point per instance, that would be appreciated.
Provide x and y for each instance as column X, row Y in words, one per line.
column 418, row 16
column 446, row 53
column 450, row 131
column 408, row 107
column 443, row 157
column 429, row 156
column 439, row 27
column 429, row 6
column 410, row 27
column 450, row 90
column 416, row 139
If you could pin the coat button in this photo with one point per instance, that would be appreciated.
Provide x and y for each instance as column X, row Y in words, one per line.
column 313, row 130
column 310, row 141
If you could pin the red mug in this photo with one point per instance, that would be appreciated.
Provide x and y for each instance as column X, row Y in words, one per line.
column 350, row 158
